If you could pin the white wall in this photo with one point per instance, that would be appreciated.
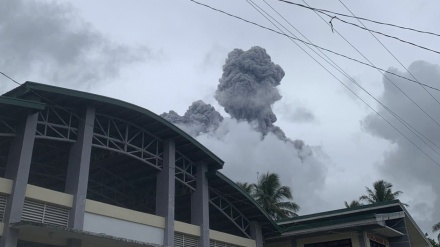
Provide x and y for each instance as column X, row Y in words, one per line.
column 123, row 229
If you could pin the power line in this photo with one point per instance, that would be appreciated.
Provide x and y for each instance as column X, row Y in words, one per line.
column 388, row 79
column 432, row 96
column 5, row 75
column 359, row 18
column 310, row 44
column 401, row 120
column 383, row 34
column 409, row 140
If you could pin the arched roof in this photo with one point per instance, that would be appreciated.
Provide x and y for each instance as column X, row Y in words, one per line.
column 154, row 124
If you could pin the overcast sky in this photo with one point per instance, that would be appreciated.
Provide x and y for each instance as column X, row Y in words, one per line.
column 164, row 55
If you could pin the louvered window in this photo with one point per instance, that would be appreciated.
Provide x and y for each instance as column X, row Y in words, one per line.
column 3, row 199
column 183, row 240
column 45, row 213
column 213, row 243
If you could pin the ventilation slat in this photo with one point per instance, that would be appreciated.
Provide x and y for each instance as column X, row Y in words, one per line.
column 184, row 240
column 45, row 213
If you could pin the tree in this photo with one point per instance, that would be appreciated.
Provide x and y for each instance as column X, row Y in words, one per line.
column 269, row 193
column 247, row 187
column 272, row 197
column 436, row 228
column 354, row 203
column 432, row 241
column 381, row 192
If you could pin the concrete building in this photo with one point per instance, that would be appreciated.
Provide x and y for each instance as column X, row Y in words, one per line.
column 376, row 225
column 78, row 169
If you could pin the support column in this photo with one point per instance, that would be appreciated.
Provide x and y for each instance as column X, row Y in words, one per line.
column 78, row 168
column 17, row 169
column 200, row 204
column 165, row 191
column 256, row 234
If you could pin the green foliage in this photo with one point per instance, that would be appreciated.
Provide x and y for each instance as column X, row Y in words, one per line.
column 272, row 197
column 436, row 228
column 432, row 241
column 354, row 203
column 381, row 192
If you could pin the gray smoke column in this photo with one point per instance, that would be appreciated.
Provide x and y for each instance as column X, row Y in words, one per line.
column 247, row 88
column 199, row 118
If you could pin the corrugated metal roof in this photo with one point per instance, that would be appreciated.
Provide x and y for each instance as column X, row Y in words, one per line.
column 71, row 99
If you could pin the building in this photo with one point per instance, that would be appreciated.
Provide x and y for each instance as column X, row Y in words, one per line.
column 376, row 225
column 78, row 169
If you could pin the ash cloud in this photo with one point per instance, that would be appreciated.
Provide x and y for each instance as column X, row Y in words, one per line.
column 247, row 89
column 409, row 169
column 248, row 141
column 47, row 41
column 199, row 118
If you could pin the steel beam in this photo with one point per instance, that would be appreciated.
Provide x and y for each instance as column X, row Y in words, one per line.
column 57, row 124
column 123, row 137
column 7, row 127
column 230, row 211
column 185, row 171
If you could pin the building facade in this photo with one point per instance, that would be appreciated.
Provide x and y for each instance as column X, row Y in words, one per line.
column 78, row 169
column 385, row 224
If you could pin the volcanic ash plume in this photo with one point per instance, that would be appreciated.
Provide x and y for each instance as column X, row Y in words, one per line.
column 247, row 88
column 199, row 118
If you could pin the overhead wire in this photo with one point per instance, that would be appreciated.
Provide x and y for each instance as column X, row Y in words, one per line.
column 401, row 120
column 409, row 72
column 381, row 33
column 388, row 79
column 314, row 45
column 381, row 72
column 432, row 159
column 360, row 18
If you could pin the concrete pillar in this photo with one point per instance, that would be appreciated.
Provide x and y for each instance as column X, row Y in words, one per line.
column 17, row 169
column 362, row 239
column 165, row 191
column 200, row 204
column 256, row 234
column 78, row 168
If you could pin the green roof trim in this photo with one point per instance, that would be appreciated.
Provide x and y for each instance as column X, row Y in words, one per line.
column 338, row 211
column 22, row 103
column 330, row 223
column 28, row 86
column 245, row 194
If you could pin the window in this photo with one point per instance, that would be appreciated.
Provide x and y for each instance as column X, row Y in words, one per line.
column 376, row 244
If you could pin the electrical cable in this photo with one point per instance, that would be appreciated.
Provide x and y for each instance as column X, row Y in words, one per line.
column 388, row 79
column 406, row 124
column 432, row 96
column 438, row 164
column 383, row 34
column 319, row 47
column 360, row 18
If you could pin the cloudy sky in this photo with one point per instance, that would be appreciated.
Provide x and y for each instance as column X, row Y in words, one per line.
column 164, row 55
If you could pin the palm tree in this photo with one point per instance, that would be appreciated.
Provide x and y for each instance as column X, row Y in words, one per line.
column 247, row 187
column 381, row 192
column 354, row 203
column 269, row 193
column 436, row 228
